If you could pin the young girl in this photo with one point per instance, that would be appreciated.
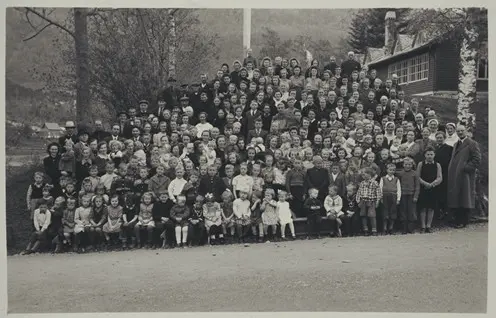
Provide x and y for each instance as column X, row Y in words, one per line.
column 68, row 221
column 258, row 181
column 114, row 220
column 242, row 213
column 285, row 215
column 35, row 193
column 145, row 219
column 67, row 163
column 295, row 180
column 212, row 212
column 280, row 171
column 82, row 222
column 98, row 218
column 333, row 205
column 430, row 176
column 227, row 213
column 179, row 215
column 269, row 213
column 256, row 216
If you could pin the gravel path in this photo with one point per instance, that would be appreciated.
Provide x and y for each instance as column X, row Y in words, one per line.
column 441, row 272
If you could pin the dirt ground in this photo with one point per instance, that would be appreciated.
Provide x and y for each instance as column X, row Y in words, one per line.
column 441, row 272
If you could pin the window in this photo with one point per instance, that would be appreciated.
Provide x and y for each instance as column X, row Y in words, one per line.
column 483, row 63
column 411, row 70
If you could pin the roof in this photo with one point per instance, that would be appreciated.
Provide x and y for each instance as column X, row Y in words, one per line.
column 52, row 126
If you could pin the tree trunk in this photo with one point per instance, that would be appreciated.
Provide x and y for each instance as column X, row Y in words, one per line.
column 467, row 77
column 172, row 43
column 82, row 66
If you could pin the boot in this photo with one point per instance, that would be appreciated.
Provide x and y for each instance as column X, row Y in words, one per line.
column 58, row 248
column 35, row 246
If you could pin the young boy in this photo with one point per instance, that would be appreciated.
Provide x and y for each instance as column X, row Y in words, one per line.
column 196, row 231
column 180, row 214
column 391, row 195
column 41, row 221
column 176, row 186
column 212, row 183
column 336, row 178
column 314, row 210
column 410, row 190
column 351, row 211
column 109, row 176
column 333, row 205
column 94, row 178
column 163, row 224
column 229, row 170
column 159, row 182
column 122, row 184
column 368, row 197
column 242, row 182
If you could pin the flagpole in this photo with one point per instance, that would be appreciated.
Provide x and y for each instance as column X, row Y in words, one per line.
column 246, row 29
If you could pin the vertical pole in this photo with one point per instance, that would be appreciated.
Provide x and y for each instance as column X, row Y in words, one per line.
column 246, row 29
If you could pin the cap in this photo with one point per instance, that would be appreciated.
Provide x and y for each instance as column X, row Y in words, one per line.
column 143, row 101
column 70, row 124
column 184, row 98
column 195, row 85
column 122, row 112
column 83, row 132
column 171, row 79
column 184, row 85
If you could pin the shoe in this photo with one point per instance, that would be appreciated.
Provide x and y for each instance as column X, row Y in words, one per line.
column 428, row 230
column 367, row 233
column 422, row 231
column 124, row 245
column 318, row 237
column 375, row 234
column 293, row 238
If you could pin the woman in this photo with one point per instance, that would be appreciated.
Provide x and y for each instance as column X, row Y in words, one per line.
column 297, row 79
column 51, row 163
column 451, row 136
column 314, row 64
column 220, row 120
column 128, row 150
column 313, row 80
column 433, row 125
column 413, row 148
column 102, row 158
column 390, row 127
column 443, row 157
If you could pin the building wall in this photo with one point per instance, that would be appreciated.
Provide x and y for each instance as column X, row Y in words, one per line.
column 447, row 65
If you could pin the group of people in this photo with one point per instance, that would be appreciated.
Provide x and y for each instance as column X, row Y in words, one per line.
column 246, row 154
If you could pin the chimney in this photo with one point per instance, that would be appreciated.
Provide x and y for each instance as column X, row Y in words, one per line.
column 390, row 32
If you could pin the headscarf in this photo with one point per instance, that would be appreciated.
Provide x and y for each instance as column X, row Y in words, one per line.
column 453, row 139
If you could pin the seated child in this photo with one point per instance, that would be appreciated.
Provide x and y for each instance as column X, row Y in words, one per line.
column 114, row 221
column 145, row 220
column 212, row 213
column 41, row 221
column 196, row 220
column 333, row 205
column 285, row 215
column 180, row 214
column 82, row 223
column 242, row 213
column 314, row 210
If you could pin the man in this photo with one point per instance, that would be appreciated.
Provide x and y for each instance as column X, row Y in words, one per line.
column 143, row 109
column 162, row 106
column 194, row 96
column 171, row 93
column 331, row 66
column 412, row 111
column 205, row 106
column 250, row 116
column 258, row 131
column 70, row 129
column 235, row 73
column 204, row 85
column 402, row 104
column 115, row 134
column 99, row 133
column 350, row 65
column 184, row 103
column 465, row 160
column 277, row 65
column 419, row 125
column 250, row 58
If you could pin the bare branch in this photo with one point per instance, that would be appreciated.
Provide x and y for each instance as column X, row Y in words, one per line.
column 37, row 32
column 50, row 21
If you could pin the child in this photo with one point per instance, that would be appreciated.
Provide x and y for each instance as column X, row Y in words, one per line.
column 67, row 163
column 179, row 214
column 176, row 186
column 129, row 217
column 430, row 176
column 35, row 193
column 142, row 183
column 55, row 228
column 336, row 178
column 280, row 171
column 242, row 182
column 190, row 189
column 350, row 209
column 98, row 218
column 68, row 221
column 86, row 189
column 100, row 191
column 159, row 182
column 229, row 171
column 314, row 210
column 145, row 219
column 256, row 215
column 258, row 181
column 212, row 214
column 285, row 215
column 227, row 213
column 333, row 205
column 163, row 224
column 82, row 223
column 109, row 176
column 295, row 180
column 242, row 214
column 318, row 178
column 114, row 221
column 269, row 214
column 41, row 221
column 410, row 189
column 196, row 229
column 46, row 196
column 391, row 195
column 122, row 185
column 94, row 178
column 368, row 197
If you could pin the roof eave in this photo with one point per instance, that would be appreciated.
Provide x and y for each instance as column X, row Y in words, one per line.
column 401, row 53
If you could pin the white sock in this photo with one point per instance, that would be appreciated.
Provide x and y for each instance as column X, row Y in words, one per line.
column 291, row 228
column 178, row 234
column 185, row 234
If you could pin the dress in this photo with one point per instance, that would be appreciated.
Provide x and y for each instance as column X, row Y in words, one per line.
column 212, row 215
column 269, row 215
column 68, row 220
column 256, row 214
column 428, row 197
column 82, row 218
column 284, row 212
column 114, row 220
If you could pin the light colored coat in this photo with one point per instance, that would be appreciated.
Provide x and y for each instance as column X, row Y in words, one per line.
column 465, row 159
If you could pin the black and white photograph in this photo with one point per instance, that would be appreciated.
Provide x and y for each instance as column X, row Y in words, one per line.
column 182, row 159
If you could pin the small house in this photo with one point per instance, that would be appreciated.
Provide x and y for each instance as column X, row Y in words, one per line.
column 51, row 131
column 424, row 63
